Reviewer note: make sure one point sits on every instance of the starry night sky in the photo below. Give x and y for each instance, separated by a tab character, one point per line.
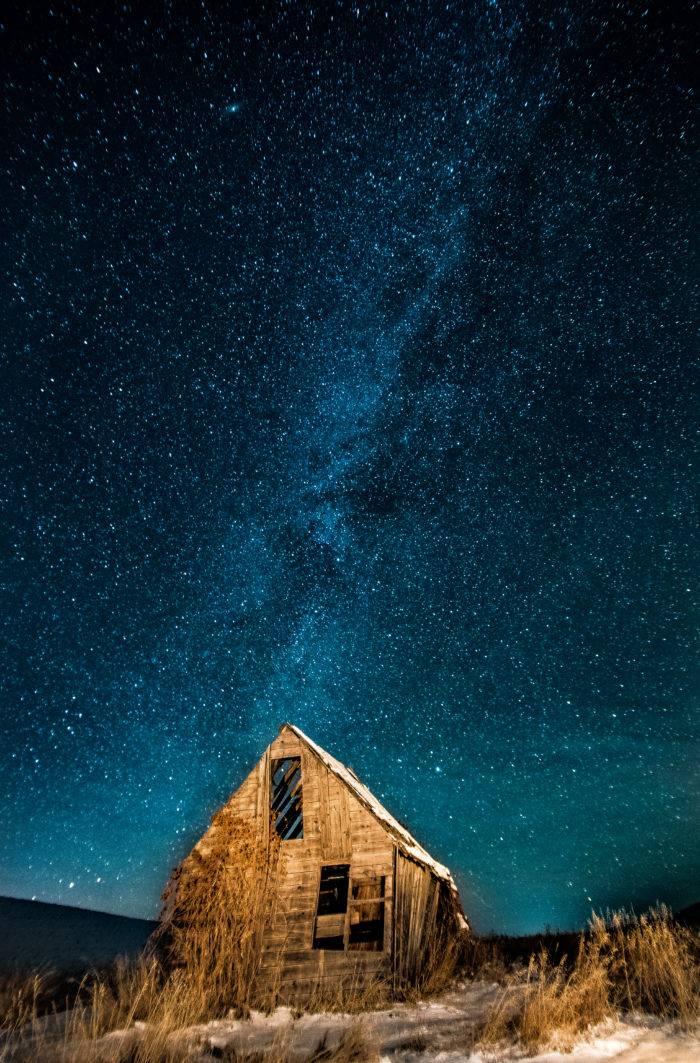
348	380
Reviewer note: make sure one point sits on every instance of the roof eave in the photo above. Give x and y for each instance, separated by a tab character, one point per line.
409	846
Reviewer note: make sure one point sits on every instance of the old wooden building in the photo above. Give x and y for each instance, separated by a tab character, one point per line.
355	889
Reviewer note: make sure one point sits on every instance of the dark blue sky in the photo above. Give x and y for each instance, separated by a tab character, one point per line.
348	380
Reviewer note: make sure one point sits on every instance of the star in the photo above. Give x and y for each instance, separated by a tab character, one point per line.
371	414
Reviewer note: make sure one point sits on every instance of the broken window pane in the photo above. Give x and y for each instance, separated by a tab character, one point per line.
368	888
367	927
329	926
285	798
333	890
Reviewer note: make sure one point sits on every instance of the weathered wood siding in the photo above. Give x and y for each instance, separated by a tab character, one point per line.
338	829
416	900
249	801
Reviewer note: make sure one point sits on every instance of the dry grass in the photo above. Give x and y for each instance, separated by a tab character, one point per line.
431	967
352	994
653	964
483	959
354	1047
624	963
435	975
163	1003
218	905
203	963
24	996
104	1002
442	952
552	1005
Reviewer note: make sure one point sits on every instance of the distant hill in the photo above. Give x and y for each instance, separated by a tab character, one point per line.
33	934
690	916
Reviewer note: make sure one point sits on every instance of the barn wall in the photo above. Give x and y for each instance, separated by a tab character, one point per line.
337	829
416	910
250	801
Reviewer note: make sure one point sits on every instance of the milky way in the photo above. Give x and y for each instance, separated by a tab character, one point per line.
348	380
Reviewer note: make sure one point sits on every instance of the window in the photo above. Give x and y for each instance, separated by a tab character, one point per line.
285	798
367	915
349	918
333	890
331	910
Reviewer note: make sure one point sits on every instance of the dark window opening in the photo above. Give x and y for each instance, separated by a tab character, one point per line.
285	798
333	889
329	925
345	918
336	943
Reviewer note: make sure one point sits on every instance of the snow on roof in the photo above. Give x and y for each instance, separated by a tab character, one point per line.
408	843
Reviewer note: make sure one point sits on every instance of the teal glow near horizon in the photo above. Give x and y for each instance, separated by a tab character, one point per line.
370	409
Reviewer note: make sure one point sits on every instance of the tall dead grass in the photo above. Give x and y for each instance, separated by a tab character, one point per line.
137	1015
104	1002
355	1046
353	994
23	996
218	904
202	963
624	962
483	958
653	963
442	951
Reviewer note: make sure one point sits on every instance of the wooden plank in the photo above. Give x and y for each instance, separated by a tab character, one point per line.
330	925
338	829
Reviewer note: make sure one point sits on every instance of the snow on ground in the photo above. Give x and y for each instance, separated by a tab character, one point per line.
644	1041
441	1031
441	1024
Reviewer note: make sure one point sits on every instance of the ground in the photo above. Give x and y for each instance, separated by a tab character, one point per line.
437	1032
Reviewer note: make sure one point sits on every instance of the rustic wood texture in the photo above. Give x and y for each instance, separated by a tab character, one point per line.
416	914
337	829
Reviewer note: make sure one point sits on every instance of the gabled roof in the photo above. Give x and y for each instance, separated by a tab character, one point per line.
407	843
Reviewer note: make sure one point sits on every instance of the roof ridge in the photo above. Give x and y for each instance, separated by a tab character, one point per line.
410	845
